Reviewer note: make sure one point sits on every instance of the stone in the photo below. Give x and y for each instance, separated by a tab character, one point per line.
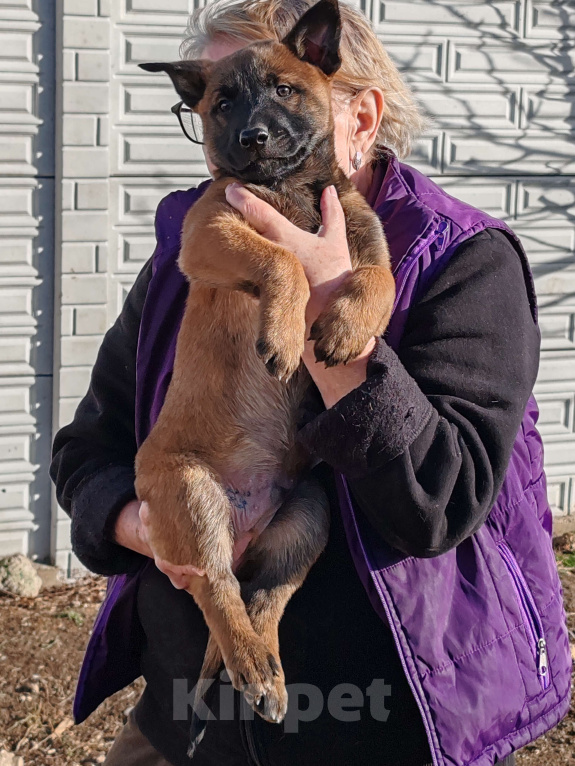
93	66
52	577
565	543
92	195
79	130
18	576
82	98
10	759
81	7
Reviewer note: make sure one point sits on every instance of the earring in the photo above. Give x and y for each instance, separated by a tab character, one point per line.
356	162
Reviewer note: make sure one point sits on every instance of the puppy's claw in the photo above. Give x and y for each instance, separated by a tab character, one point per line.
274	665
272	366
277	361
315	331
261	348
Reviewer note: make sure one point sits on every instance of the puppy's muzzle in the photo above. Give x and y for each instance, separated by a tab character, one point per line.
254	138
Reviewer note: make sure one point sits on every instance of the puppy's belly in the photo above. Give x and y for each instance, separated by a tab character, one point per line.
254	499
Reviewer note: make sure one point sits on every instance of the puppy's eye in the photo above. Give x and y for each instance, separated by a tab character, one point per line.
224	105
283	91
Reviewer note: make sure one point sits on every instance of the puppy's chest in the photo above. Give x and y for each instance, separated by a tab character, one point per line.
297	203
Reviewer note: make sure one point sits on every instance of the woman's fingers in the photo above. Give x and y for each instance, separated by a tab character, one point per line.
179	581
274	226
129	530
144	513
180	576
263	217
333	218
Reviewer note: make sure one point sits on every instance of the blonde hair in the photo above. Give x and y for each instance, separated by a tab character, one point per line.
365	63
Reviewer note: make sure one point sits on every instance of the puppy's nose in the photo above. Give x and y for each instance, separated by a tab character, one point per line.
251	137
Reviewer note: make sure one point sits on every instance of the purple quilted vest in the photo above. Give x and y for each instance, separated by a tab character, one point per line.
481	629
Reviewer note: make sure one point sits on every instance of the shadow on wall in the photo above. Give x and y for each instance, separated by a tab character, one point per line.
524	129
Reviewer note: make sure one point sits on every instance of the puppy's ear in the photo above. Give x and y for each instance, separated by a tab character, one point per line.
315	37
189	78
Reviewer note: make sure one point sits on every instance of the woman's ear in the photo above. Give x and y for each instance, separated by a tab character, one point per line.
367	109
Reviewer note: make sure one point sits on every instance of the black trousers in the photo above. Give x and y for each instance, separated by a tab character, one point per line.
236	743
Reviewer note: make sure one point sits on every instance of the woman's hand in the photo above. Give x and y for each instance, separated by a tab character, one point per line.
128	531
326	262
324	256
132	531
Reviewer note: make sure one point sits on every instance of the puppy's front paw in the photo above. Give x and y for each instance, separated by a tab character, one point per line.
282	338
282	320
281	358
337	340
359	310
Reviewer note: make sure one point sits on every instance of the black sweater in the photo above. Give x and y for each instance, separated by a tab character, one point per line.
424	442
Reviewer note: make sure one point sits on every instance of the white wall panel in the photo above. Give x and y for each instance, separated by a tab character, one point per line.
550	20
26	273
496	77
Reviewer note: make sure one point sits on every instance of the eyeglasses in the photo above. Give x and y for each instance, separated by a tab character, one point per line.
190	122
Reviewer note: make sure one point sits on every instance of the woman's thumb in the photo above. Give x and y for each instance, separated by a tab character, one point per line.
332	215
263	217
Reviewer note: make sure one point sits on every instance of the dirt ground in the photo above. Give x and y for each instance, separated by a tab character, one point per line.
41	647
42	641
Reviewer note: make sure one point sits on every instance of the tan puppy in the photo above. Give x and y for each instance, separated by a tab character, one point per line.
224	442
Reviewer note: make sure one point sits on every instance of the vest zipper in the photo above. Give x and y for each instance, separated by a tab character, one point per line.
531	616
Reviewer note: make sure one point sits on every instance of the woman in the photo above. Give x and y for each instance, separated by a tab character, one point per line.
431	630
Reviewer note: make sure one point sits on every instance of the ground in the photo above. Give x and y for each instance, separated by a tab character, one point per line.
41	646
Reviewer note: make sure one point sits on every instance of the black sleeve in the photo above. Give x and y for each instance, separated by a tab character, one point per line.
425	442
93	457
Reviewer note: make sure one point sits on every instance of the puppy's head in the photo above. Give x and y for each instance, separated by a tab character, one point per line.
265	107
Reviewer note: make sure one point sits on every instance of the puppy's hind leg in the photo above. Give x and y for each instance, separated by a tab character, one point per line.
275	566
190	523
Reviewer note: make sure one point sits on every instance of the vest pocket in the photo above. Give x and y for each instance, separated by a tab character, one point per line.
530	613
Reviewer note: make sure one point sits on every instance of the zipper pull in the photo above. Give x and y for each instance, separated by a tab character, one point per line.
441	231
542	664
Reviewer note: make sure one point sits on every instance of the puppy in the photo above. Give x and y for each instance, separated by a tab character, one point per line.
225	441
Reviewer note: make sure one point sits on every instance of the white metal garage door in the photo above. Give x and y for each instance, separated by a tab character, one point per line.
496	75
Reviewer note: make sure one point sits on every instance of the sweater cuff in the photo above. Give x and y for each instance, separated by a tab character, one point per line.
96	504
374	423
